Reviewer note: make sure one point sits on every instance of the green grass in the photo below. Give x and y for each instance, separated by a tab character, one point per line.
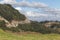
11	36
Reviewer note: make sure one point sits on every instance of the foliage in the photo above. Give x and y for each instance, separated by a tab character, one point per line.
27	36
9	13
39	27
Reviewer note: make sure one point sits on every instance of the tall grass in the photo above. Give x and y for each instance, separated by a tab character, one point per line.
12	36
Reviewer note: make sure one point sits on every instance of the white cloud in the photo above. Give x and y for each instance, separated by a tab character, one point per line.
48	13
52	10
30	4
25	3
41	16
18	8
35	14
8	1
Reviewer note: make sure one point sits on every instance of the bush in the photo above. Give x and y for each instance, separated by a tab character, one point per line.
2	25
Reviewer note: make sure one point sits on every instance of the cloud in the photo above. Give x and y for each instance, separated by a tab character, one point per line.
18	8
24	3
8	1
52	10
35	14
48	13
30	4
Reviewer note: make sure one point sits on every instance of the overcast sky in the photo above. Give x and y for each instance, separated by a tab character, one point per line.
37	10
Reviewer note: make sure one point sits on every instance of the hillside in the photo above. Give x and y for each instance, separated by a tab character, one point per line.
11	16
13	20
9	13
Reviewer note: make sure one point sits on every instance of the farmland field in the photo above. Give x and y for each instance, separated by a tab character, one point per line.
29	36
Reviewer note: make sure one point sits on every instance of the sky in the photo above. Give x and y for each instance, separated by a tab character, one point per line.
51	3
37	10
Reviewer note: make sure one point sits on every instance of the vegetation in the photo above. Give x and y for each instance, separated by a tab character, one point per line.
21	32
24	36
9	13
33	27
2	25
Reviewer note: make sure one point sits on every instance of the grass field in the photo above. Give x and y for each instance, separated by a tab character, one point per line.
35	36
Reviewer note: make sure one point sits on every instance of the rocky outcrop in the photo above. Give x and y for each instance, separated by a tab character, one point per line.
14	23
